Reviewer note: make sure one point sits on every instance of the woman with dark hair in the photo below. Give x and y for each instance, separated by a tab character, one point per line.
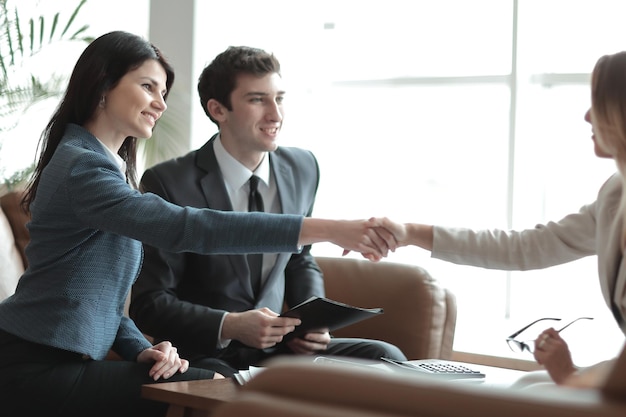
87	224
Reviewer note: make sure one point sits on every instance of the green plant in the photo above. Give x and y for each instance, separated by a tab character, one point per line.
21	39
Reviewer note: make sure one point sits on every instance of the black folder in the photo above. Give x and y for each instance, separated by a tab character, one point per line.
318	313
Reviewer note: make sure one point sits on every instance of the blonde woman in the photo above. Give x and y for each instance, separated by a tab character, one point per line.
597	229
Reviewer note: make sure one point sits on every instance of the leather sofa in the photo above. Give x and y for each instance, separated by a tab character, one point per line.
419	314
13	240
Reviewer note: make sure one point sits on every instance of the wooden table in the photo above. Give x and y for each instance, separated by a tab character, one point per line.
199	398
192	398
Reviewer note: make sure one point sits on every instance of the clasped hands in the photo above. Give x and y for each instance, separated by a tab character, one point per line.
373	238
165	360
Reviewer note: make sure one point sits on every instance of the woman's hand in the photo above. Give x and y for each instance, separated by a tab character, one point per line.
552	352
166	361
405	234
364	236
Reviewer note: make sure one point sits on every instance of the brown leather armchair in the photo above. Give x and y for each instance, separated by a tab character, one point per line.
419	314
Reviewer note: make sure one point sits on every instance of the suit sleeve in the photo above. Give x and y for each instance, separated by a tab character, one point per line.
155	306
129	342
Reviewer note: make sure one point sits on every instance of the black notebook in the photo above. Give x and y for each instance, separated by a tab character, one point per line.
319	313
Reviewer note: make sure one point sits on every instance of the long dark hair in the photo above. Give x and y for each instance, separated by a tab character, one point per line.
99	69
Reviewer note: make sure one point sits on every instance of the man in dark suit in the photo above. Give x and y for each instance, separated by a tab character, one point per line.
227	306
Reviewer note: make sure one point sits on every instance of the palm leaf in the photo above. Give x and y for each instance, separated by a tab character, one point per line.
13	85
55	22
20	37
73	17
26	96
20	90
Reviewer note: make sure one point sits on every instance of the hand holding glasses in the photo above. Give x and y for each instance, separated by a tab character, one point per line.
519	346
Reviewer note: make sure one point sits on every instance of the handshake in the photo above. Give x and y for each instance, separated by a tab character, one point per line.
373	238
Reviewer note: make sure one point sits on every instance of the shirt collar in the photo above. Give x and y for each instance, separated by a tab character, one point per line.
121	164
236	175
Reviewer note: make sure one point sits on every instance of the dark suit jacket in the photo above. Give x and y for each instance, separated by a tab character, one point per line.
182	296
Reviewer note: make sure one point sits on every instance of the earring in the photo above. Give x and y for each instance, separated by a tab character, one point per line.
102	102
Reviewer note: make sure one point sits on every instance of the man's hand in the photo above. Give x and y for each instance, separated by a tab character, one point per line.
166	360
310	343
261	328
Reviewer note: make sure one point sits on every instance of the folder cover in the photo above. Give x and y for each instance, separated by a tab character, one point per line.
319	313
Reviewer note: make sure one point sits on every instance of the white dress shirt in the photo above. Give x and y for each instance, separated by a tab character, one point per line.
236	179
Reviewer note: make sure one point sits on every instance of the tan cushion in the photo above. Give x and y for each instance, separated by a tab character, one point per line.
419	314
11	206
11	266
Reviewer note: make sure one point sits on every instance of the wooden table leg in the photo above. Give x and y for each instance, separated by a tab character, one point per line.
180	411
175	411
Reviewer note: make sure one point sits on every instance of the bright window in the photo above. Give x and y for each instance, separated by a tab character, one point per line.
447	112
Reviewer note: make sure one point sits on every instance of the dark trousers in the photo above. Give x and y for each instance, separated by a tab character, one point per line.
239	356
38	380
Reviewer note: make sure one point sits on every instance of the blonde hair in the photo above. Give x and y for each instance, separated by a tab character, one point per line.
608	116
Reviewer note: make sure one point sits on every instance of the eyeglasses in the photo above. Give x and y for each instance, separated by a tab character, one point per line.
519	346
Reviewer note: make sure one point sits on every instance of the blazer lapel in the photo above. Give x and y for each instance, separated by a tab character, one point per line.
617	280
611	263
286	187
618	307
212	183
214	191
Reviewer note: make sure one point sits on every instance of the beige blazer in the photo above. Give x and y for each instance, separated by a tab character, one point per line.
594	230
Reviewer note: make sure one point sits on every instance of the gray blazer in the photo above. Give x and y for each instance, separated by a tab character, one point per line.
85	249
183	296
594	230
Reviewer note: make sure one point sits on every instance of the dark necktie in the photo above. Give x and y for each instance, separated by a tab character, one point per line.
255	200
255	260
